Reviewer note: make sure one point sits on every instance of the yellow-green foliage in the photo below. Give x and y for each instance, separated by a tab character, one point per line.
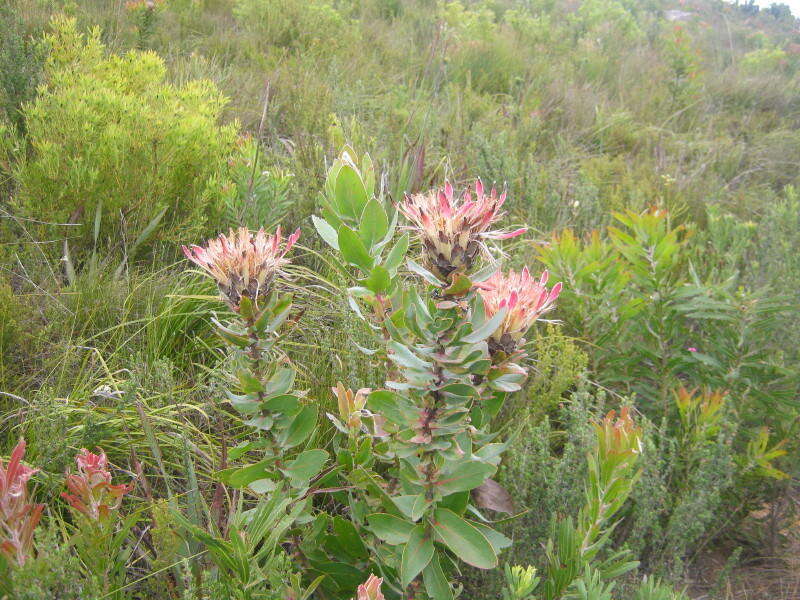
110	130
314	24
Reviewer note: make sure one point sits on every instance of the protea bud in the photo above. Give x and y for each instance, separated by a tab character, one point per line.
243	263
18	518
93	494
526	299
453	231
350	404
370	589
618	436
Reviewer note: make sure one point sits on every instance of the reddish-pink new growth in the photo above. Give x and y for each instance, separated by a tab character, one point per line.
525	298
92	492
453	230
243	263
18	517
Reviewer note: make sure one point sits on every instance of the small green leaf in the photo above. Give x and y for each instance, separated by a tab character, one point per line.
326	232
465	476
496	539
281	382
464	540
374	223
392	530
305	466
416	554
459	287
351	194
394	407
349	539
301	427
404	357
262	422
424	273
459	389
242	476
378	281
487	329
395	257
249	384
286	404
353	249
435	581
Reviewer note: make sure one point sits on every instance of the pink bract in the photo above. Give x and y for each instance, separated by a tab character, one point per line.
18	517
453	230
243	263
91	491
371	589
525	298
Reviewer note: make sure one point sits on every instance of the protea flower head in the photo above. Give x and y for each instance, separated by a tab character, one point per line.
370	589
92	491
526	298
453	231
18	517
243	263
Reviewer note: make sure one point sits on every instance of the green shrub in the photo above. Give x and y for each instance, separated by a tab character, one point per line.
21	59
313	25
110	136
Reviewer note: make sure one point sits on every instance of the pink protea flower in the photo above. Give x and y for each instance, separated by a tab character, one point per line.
526	298
243	263
453	231
18	517
371	589
92	492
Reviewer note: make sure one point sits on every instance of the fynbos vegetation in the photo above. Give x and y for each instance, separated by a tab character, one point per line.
532	336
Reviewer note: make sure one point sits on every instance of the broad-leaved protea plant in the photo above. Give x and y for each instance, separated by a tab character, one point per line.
437	334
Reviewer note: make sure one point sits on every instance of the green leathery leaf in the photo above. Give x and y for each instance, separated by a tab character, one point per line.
374	223
249	384
239	477
436	584
353	249
465	476
305	465
464	539
280	382
378	281
389	528
404	357
326	232
487	329
394	407
417	554
301	427
348	537
424	273
395	257
350	192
